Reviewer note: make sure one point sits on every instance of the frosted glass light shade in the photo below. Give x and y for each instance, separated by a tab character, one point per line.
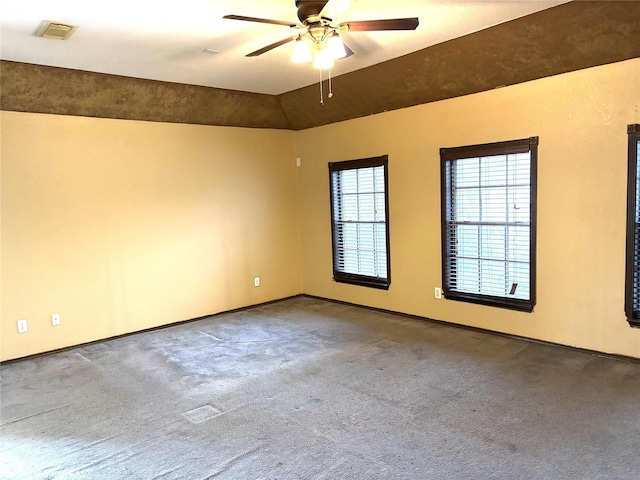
301	52
336	47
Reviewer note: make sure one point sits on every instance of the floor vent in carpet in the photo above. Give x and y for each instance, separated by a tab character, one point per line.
202	414
385	344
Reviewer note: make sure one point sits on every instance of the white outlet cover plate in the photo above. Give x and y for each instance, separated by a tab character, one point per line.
22	326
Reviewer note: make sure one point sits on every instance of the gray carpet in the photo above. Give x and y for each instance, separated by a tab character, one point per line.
305	388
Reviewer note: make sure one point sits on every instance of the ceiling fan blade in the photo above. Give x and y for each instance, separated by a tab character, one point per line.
334	9
388	24
260	20
270	47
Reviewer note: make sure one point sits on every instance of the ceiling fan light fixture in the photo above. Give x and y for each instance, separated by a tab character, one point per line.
336	47
301	51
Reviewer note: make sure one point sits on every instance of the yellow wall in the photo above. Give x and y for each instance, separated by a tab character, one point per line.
581	119
120	225
123	225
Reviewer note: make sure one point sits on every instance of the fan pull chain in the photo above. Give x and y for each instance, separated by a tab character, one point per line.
330	89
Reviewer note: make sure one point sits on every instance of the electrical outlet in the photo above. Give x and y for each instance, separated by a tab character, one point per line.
438	293
256	282
22	326
55	319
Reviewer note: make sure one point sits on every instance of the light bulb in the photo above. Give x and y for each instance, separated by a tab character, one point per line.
323	59
301	53
336	47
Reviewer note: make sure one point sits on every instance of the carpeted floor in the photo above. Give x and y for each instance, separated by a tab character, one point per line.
306	388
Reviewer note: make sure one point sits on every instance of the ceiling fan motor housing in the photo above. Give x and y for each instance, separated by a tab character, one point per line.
309	11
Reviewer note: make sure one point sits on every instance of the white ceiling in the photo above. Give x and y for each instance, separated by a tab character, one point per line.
163	40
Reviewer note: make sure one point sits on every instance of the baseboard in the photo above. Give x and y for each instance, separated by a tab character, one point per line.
159	327
596	353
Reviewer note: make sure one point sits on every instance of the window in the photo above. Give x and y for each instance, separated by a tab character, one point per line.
632	283
359	220
489	223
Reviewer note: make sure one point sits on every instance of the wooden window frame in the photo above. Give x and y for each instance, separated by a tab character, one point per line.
351	278
447	156
632	270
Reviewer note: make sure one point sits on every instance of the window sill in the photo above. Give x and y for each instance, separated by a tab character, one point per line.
362	281
500	302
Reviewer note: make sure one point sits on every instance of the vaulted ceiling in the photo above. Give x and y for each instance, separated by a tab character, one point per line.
151	68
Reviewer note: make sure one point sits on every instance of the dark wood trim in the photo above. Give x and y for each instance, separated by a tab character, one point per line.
447	155
350	278
386	218
533	241
633	132
445	208
489	301
360	163
489	149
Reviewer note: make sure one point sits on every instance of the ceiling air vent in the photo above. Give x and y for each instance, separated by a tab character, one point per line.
56	31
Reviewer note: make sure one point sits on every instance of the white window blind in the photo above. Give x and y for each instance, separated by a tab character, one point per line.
359	221
488	227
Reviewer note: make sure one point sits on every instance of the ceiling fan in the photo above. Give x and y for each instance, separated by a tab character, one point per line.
319	38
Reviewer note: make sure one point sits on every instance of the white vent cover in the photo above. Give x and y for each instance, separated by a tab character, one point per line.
57	31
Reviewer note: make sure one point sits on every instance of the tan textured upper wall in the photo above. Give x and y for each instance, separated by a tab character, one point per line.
565	38
581	119
35	88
